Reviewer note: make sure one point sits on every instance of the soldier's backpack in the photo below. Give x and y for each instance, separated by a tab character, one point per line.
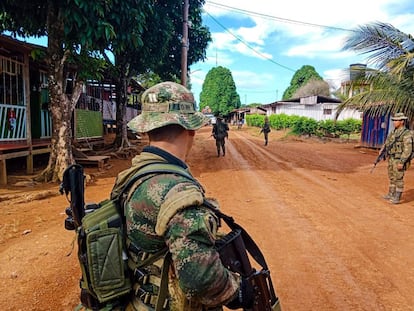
100	228
106	283
221	130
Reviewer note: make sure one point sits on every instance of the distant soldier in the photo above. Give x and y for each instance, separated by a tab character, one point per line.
220	132
266	130
399	145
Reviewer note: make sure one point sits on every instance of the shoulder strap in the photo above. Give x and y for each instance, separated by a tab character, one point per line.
251	246
249	243
157	168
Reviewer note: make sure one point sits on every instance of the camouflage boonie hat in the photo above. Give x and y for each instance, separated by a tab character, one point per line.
164	104
398	117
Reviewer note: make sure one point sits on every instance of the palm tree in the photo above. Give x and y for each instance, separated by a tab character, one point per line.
391	53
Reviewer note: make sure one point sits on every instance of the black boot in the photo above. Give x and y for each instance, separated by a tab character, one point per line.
224	151
396	198
390	194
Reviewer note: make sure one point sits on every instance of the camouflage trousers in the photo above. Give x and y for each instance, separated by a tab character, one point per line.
220	144
395	176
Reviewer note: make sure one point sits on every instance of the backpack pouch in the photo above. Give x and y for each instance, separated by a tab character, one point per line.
104	248
106	263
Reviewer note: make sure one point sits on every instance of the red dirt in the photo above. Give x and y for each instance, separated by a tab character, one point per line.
314	208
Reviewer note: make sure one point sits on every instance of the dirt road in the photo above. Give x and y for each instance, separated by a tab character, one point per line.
314	208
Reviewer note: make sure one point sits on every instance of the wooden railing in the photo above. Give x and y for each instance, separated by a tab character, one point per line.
46	119
12	122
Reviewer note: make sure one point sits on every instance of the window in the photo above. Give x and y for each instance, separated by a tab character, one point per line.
327	111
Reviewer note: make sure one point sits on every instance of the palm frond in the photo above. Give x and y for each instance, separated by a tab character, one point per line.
391	84
382	41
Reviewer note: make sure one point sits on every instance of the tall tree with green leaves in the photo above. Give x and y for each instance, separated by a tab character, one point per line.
75	30
299	79
391	54
141	35
155	46
219	91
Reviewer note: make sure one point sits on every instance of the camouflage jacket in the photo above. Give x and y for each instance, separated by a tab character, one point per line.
166	210
266	128
400	144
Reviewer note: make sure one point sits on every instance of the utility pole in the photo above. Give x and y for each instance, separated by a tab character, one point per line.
184	44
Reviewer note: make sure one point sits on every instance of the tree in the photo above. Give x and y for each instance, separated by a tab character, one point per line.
75	29
219	91
391	52
140	34
299	79
153	47
313	87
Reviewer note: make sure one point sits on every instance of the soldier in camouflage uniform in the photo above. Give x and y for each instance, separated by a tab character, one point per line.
166	212
399	145
266	130
220	133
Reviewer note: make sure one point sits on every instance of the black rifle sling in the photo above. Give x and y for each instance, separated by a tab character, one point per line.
250	244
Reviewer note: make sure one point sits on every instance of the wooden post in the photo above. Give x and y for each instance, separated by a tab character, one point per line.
184	45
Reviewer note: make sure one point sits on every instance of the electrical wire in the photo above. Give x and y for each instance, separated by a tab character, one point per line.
280	19
247	45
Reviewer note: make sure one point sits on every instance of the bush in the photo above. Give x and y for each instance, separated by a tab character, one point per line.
308	126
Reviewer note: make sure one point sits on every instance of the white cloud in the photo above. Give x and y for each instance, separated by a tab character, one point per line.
272	34
249	79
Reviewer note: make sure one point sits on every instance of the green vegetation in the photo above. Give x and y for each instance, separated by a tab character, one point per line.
301	77
113	39
391	85
308	126
219	91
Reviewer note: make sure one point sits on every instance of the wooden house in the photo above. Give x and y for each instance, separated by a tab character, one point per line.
238	116
25	120
25	123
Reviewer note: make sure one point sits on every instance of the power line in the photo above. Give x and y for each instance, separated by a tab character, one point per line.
281	19
255	92
246	44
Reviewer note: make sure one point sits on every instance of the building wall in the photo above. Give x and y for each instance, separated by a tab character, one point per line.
318	112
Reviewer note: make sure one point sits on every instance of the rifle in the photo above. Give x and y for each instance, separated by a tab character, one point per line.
381	156
73	183
233	249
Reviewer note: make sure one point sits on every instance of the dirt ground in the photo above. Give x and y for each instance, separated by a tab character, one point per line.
314	208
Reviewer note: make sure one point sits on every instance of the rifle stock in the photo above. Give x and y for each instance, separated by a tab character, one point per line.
234	257
381	156
73	183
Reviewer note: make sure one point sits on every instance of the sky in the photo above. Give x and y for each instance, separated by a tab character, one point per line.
264	42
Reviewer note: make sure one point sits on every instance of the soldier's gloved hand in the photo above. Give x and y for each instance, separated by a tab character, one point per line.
245	297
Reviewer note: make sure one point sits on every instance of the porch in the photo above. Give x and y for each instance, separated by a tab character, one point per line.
17	149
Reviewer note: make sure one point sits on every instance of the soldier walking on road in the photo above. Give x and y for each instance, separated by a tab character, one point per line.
399	146
266	130
220	132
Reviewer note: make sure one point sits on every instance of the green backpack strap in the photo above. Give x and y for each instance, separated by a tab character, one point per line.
158	168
